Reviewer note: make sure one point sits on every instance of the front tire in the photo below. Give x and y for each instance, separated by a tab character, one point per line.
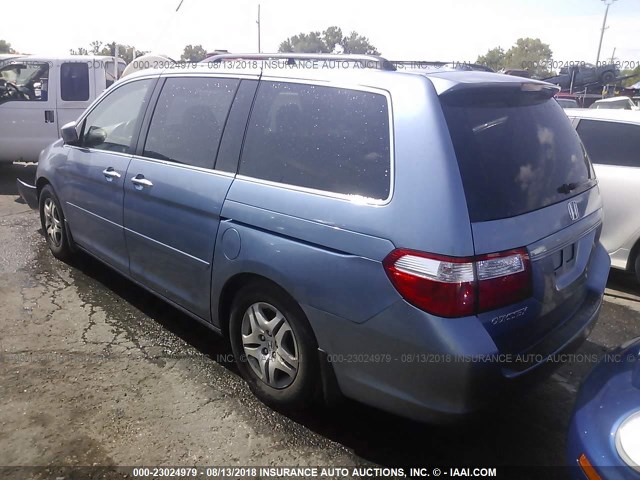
53	224
637	267
274	346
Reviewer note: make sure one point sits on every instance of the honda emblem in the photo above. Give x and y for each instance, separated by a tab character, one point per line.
574	212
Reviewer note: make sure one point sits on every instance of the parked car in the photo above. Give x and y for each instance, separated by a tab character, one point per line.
612	140
585	76
614	103
567	102
40	94
390	236
604	432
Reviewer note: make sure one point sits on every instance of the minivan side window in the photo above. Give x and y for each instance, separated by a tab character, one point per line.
188	120
74	81
114	122
324	138
611	143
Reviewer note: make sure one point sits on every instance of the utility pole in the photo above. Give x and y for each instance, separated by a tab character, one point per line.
258	22
608	3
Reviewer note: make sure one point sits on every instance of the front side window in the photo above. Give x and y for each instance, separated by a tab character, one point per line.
24	81
611	143
114	122
74	82
324	138
188	120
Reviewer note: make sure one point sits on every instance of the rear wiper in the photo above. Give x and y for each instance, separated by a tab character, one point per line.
567	188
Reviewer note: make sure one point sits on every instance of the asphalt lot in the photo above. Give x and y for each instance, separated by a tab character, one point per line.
95	371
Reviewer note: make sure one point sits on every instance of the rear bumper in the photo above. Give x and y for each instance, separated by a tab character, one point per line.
431	369
29	193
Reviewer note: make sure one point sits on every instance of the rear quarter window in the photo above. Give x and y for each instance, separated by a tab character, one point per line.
515	155
323	138
611	143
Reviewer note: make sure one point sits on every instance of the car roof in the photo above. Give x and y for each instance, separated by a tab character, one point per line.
612	99
443	81
596	114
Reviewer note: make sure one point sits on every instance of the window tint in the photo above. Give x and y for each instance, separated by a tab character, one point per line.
116	119
188	120
74	81
317	137
611	143
516	154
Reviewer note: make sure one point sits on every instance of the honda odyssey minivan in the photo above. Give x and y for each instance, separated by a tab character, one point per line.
415	241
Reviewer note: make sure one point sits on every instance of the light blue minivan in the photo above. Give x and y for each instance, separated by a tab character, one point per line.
415	241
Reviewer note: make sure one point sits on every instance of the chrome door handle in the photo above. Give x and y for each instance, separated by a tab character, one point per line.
110	173
141	182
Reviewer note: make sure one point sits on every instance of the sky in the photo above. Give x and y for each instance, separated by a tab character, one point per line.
445	30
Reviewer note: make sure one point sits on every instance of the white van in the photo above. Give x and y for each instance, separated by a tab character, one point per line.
40	94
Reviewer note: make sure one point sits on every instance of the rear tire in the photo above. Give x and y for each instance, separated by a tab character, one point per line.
637	267
54	224
274	346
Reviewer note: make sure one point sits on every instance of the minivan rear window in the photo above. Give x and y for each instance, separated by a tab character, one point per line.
516	153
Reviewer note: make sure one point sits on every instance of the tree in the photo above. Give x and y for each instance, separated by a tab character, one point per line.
333	38
493	59
5	47
355	43
304	43
79	51
527	54
95	47
126	52
193	53
530	54
635	78
329	41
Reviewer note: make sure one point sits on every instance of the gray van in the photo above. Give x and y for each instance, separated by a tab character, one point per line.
415	241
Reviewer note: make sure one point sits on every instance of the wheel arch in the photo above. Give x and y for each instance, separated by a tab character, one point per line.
633	254
231	288
40	184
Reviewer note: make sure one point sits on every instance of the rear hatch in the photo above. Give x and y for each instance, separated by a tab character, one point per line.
529	185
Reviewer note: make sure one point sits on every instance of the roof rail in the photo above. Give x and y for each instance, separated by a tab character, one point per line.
366	61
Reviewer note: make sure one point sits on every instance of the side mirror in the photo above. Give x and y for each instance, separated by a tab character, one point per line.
95	136
69	133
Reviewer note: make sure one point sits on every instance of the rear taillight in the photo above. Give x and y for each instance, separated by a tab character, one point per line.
503	278
457	287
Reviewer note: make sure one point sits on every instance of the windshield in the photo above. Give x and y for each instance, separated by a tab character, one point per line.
515	156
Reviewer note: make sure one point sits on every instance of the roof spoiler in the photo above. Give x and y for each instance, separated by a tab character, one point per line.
488	82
